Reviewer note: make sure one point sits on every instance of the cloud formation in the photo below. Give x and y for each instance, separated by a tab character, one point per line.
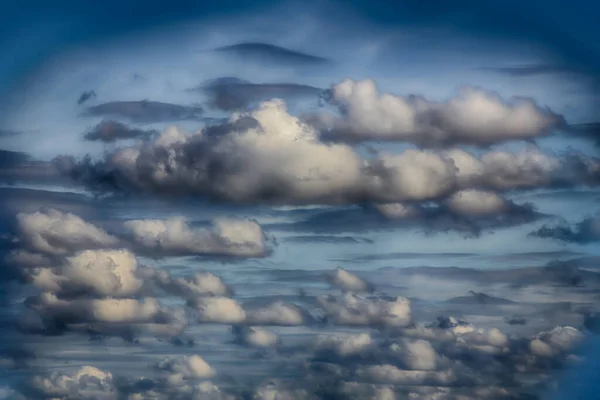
110	131
281	160
583	232
473	117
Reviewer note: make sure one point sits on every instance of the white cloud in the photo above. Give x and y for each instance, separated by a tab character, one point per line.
186	367
174	236
348	281
344	345
474	116
416	355
57	233
350	309
256	337
220	310
277	313
87	383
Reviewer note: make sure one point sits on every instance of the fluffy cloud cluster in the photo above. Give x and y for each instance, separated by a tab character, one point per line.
89	279
555	342
56	233
186	367
351	309
225	310
280	159
255	336
473	117
87	383
241	238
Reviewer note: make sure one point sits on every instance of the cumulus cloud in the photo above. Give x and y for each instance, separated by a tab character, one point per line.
474	116
416	355
145	111
190	287
220	310
241	238
110	131
280	159
351	309
559	340
87	383
56	233
278	313
348	281
186	367
343	345
255	336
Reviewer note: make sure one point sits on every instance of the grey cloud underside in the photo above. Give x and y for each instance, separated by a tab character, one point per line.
236	94
86	96
583	232
271	54
145	111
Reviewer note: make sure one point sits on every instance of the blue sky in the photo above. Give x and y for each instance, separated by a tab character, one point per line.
132	51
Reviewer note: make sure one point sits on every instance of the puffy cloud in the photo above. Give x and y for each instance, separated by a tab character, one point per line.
351	309
86	383
92	272
220	310
278	313
348	281
474	116
186	367
557	341
279	159
242	238
100	310
255	337
416	355
111	131
344	345
56	233
473	202
198	285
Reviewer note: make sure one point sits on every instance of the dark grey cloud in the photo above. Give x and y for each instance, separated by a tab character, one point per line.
583	232
270	54
111	131
230	94
524	71
479	298
589	131
145	111
86	96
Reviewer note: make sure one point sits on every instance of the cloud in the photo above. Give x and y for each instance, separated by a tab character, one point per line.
473	117
110	131
351	309
87	383
559	340
229	237
55	233
343	345
583	232
277	313
220	310
266	53
280	160
255	336
348	281
198	285
145	111
519	71
390	374
232	94
186	367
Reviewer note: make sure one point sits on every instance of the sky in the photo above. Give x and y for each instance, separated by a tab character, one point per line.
299	200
